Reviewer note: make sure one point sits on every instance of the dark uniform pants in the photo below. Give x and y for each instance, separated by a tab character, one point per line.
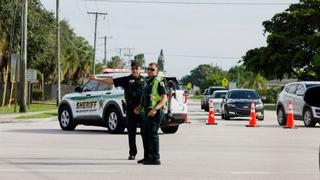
152	125
132	122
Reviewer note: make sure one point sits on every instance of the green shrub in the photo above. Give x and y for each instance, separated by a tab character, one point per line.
37	94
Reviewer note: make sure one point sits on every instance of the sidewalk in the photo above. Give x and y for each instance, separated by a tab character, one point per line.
8	118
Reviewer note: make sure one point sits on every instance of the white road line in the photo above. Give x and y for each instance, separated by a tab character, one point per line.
113	171
270	173
58	171
251	173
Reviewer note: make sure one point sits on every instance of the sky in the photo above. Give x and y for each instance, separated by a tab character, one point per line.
213	31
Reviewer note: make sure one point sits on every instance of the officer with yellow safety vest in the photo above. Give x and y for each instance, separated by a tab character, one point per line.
154	100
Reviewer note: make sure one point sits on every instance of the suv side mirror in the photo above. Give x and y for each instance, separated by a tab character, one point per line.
78	89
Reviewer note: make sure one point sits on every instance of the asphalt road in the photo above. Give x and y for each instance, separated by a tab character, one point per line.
40	150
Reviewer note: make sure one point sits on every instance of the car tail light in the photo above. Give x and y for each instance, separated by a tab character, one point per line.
185	97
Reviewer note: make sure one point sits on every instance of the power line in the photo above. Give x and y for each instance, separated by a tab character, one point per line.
45	20
196	3
148	53
76	47
199	56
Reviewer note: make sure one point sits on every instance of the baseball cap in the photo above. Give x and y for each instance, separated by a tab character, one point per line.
135	64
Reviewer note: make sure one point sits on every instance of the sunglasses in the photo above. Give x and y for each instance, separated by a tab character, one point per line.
134	68
151	69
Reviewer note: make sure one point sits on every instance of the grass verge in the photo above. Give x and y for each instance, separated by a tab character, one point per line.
38	116
270	107
33	108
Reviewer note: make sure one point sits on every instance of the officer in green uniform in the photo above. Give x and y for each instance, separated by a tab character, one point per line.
133	86
153	102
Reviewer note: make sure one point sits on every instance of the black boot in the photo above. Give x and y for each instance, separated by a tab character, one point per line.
131	157
152	162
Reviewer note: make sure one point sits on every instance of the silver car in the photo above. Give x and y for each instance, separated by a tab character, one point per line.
305	102
217	98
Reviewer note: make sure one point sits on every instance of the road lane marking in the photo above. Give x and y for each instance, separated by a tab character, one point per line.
58	171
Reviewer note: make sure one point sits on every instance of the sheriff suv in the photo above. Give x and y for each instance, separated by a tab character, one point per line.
305	102
99	104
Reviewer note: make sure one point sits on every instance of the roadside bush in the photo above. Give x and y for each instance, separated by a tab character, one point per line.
270	94
37	94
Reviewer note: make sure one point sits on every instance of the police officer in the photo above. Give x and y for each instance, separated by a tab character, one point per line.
133	86
153	101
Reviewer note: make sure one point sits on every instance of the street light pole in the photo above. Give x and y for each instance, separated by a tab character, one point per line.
23	67
58	53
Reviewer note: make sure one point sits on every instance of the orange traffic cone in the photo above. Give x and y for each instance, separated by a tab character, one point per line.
290	118
186	120
253	117
211	118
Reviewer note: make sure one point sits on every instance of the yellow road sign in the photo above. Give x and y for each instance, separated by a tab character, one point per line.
189	85
225	82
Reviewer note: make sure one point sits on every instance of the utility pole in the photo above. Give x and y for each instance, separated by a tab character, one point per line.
129	54
105	48
120	51
23	66
95	38
58	53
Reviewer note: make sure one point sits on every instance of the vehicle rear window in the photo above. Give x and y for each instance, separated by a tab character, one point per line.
212	90
244	95
219	94
174	84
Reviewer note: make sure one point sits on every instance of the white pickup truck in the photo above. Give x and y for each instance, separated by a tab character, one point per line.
99	104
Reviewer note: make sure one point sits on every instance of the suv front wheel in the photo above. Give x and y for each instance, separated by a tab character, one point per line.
308	118
114	121
65	119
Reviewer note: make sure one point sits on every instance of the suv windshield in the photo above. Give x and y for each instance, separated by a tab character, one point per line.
91	85
244	95
219	94
312	85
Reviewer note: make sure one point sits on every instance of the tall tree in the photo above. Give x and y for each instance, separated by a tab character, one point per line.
293	44
116	62
245	78
140	59
205	75
161	61
75	51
